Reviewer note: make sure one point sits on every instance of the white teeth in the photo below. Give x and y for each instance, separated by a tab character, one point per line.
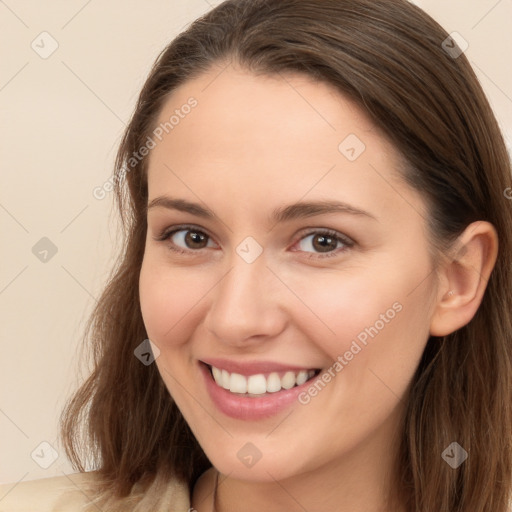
225	381
273	383
259	384
217	374
302	377
238	383
256	384
288	381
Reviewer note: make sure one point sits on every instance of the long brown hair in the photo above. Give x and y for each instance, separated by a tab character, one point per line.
388	56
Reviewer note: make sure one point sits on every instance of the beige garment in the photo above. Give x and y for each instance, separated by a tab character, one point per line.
67	493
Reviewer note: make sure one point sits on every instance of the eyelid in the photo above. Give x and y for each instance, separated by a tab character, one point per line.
166	233
178	227
327	231
341	237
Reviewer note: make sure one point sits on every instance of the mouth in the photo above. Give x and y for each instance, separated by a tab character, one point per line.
261	384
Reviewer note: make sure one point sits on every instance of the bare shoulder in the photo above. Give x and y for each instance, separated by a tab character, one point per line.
66	493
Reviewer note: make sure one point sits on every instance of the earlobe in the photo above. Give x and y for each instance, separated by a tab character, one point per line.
464	278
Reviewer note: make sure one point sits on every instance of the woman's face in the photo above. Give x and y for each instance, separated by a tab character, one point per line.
296	246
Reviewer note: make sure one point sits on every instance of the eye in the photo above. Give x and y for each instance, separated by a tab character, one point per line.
186	238
320	243
324	243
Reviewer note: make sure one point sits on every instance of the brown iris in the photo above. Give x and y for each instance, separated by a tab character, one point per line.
196	239
324	243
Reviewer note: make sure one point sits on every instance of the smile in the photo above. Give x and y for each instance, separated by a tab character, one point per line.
260	384
255	396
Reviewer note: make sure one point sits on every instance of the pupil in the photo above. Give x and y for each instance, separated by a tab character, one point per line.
195	238
325	243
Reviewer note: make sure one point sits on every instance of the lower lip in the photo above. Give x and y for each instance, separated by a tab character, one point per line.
250	408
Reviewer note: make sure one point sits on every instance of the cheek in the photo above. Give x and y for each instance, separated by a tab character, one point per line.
368	320
339	307
170	299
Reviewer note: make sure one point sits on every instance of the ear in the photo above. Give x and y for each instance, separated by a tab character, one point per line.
463	278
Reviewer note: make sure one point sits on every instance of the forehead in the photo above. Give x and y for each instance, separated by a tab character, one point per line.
270	114
258	137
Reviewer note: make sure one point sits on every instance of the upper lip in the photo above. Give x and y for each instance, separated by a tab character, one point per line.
253	367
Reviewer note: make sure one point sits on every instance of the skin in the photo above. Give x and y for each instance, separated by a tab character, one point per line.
254	144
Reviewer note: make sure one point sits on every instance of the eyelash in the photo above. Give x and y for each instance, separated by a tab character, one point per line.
166	234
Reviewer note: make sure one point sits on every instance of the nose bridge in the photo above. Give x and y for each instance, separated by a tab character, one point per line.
245	303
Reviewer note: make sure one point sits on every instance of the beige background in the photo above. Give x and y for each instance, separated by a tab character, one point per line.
61	120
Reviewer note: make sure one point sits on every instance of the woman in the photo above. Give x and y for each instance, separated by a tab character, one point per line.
318	246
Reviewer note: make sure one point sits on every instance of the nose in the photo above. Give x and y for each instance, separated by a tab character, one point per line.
246	305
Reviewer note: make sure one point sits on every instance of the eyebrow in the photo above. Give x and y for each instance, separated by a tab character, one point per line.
283	214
